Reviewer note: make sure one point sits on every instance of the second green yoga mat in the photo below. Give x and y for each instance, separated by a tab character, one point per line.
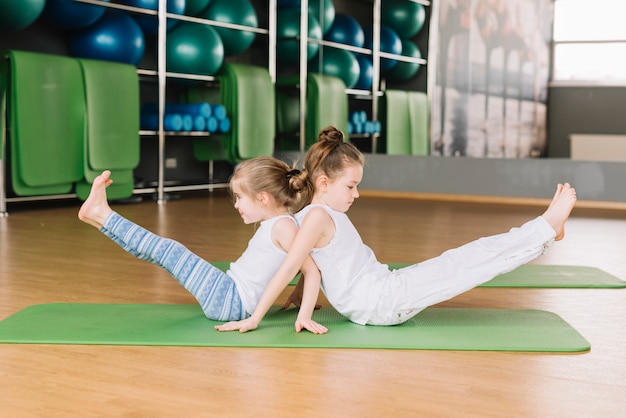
535	276
186	325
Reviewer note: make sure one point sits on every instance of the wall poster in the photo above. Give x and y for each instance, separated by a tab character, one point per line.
492	71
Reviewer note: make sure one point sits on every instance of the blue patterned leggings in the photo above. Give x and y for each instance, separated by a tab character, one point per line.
213	289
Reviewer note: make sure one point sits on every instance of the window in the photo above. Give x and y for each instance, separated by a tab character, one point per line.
589	40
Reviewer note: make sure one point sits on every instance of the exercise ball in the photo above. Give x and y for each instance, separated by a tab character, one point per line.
114	37
404	70
193	48
240	12
18	14
69	14
405	17
150	24
337	62
324	12
195	7
288	26
346	30
389	42
366	72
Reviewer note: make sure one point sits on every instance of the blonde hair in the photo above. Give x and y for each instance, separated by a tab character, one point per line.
287	185
330	155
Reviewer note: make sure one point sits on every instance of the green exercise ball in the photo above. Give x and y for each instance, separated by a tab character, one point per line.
240	12
337	62
18	14
324	12
288	26
405	17
195	7
194	49
404	70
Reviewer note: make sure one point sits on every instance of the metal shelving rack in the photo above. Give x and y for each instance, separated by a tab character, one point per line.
376	53
162	75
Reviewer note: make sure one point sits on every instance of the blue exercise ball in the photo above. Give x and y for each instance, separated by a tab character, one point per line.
337	62
150	24
405	70
18	14
346	30
366	72
194	49
288	28
240	12
114	37
389	42
406	18
69	14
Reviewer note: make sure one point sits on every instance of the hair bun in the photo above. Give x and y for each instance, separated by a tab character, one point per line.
331	134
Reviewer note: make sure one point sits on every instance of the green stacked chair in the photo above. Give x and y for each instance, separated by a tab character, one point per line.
111	139
405	116
46	119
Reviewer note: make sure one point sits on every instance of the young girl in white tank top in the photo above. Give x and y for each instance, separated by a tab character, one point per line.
265	192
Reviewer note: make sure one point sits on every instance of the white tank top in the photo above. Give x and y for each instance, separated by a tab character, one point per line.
352	278
253	271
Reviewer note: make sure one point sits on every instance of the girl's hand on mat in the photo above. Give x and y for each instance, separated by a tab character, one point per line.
311	326
244	325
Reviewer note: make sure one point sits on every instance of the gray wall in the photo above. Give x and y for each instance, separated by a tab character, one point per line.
532	178
583	110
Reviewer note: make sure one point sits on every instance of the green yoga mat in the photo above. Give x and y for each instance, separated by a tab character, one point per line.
533	276
554	276
550	276
47	117
248	95
185	325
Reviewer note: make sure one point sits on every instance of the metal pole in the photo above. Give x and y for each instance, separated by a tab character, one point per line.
161	69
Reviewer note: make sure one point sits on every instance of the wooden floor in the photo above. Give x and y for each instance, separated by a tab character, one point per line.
47	255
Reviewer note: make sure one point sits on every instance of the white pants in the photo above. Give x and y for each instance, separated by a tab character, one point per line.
411	289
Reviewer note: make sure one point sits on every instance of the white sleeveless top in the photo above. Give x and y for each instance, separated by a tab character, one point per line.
257	265
352	278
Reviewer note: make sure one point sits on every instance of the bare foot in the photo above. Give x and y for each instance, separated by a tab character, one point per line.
95	209
560	208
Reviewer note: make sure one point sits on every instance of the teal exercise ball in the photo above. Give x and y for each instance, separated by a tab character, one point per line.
194	49
114	37
18	14
240	12
406	18
195	7
405	70
337	62
324	12
288	26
